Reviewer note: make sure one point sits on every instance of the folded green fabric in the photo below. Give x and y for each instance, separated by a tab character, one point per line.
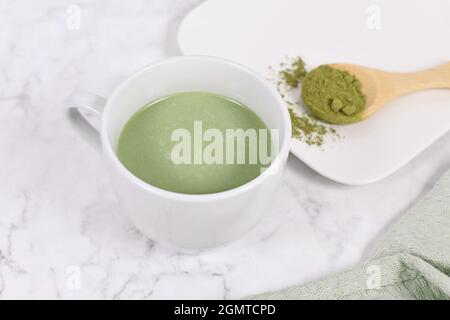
412	261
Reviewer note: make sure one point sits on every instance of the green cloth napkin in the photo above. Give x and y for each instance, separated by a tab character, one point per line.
412	261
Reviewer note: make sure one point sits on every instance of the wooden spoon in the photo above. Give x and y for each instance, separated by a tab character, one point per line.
380	86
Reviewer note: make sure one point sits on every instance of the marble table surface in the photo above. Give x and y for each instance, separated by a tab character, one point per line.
61	234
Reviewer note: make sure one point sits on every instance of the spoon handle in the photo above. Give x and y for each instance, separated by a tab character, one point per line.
434	78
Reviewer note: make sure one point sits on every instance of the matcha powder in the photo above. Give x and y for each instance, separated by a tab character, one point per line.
305	128
333	95
292	74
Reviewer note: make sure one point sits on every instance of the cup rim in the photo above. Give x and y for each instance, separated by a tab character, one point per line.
275	165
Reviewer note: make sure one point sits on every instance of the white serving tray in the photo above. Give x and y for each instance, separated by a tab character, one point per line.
412	35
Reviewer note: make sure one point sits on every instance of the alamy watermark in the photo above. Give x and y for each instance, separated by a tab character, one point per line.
73	280
234	146
373	21
374	278
73	20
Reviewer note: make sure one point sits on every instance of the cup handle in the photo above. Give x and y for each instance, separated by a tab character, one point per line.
84	113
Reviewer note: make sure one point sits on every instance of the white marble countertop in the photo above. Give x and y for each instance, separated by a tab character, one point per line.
61	235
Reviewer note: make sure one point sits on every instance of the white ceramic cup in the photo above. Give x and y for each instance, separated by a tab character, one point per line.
187	221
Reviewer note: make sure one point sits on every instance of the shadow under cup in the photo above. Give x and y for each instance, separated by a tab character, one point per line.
189	221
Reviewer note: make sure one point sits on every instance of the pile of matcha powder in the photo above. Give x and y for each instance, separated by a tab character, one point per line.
331	95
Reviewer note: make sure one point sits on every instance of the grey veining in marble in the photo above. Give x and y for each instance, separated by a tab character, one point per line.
61	235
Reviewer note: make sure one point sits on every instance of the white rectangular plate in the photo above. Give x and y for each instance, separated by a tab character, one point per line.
401	35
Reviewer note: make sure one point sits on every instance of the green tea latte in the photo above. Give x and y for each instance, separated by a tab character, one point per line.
192	142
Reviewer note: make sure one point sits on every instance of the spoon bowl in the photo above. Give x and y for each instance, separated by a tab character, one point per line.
380	86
